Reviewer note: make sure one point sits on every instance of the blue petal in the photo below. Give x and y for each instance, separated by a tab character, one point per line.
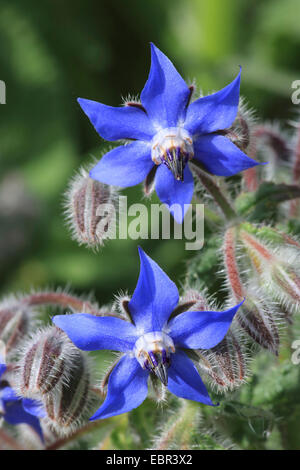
172	192
34	407
154	298
2	367
127	389
8	394
92	333
201	330
214	112
220	156
124	166
14	413
118	123
184	380
165	94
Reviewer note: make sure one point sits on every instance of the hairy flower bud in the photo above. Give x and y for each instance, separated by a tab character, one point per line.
53	369
260	318
241	129
258	315
16	320
225	365
69	404
45	361
90	210
193	299
277	266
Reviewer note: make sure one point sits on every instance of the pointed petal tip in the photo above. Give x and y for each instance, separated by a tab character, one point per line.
236	307
153	47
209	402
81	102
142	253
94	417
178	216
255	162
140	249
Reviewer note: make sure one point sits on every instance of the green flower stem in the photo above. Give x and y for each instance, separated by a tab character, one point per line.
92	426
215	191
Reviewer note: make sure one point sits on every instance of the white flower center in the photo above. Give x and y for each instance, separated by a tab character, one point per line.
172	146
152	350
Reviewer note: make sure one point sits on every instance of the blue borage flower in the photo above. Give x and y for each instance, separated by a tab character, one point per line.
153	343
167	132
18	410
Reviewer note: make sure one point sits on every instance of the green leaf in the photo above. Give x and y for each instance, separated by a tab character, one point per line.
264	202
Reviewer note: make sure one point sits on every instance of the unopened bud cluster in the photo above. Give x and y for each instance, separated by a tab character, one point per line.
16	321
53	370
263	266
240	132
90	210
226	365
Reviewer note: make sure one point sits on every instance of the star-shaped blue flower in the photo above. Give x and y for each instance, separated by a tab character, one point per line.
153	343
18	410
167	131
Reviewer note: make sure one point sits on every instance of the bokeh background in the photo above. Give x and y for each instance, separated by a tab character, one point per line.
52	52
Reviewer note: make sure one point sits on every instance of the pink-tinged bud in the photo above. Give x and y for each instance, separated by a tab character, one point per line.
194	300
225	365
90	210
16	320
261	255
286	288
277	267
231	263
240	132
72	401
46	360
271	235
54	370
258	316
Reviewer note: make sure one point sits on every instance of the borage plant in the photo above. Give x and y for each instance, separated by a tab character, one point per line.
237	330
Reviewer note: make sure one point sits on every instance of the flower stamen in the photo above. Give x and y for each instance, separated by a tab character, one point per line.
152	351
174	148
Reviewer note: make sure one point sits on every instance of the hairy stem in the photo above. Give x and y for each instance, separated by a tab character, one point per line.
64	300
216	193
80	432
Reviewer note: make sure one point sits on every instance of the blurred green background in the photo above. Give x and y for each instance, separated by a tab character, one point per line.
53	52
